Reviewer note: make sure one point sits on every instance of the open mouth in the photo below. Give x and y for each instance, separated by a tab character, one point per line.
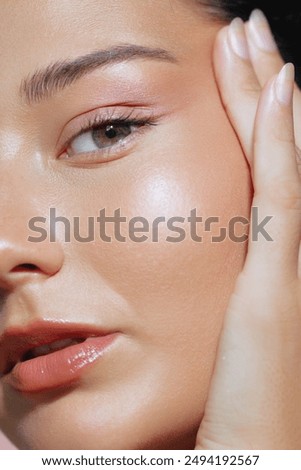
49	348
56	364
48	355
42	350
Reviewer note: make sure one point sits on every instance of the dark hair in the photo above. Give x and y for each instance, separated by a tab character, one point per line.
284	18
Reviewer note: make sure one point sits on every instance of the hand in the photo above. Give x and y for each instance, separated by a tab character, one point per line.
254	400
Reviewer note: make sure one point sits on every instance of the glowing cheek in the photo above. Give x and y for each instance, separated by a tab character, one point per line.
160	195
11	144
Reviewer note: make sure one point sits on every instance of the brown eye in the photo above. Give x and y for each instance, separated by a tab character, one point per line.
104	137
101	137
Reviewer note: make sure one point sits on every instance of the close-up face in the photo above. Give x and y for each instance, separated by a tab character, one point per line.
145	315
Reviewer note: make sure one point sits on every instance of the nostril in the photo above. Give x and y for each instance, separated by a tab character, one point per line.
25	267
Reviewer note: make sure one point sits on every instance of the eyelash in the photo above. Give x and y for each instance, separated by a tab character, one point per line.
98	122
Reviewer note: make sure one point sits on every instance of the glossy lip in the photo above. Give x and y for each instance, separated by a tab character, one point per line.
56	369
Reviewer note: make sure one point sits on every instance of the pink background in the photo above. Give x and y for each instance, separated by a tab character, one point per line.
4	443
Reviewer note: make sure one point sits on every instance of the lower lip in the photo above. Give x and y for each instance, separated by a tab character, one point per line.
60	368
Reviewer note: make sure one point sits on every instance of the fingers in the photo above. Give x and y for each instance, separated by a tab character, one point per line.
264	52
276	183
266	59
256	380
238	84
244	65
245	58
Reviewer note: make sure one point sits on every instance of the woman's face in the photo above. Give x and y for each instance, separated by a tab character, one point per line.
165	299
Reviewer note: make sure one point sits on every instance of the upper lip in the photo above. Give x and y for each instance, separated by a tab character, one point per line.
17	341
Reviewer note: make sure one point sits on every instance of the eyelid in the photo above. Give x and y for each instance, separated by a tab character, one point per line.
76	125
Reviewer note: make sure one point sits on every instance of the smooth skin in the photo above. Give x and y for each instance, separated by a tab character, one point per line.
167	373
255	394
167	300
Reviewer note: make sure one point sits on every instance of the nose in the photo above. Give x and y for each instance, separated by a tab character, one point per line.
26	187
22	261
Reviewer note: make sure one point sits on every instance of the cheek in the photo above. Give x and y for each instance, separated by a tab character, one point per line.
181	288
203	169
176	293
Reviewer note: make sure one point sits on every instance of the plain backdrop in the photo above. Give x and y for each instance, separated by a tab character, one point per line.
5	443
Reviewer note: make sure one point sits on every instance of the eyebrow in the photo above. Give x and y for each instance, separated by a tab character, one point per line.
44	83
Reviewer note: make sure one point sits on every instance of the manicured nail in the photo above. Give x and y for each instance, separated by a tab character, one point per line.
284	85
237	38
261	32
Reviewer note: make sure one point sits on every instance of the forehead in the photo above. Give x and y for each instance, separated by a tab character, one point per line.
35	33
34	27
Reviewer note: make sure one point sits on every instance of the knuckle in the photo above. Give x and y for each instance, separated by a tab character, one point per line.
285	194
283	133
247	89
251	88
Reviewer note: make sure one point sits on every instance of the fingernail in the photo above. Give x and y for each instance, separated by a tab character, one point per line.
261	32
237	38
284	85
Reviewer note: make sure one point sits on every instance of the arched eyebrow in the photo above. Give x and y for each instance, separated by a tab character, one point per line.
44	83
